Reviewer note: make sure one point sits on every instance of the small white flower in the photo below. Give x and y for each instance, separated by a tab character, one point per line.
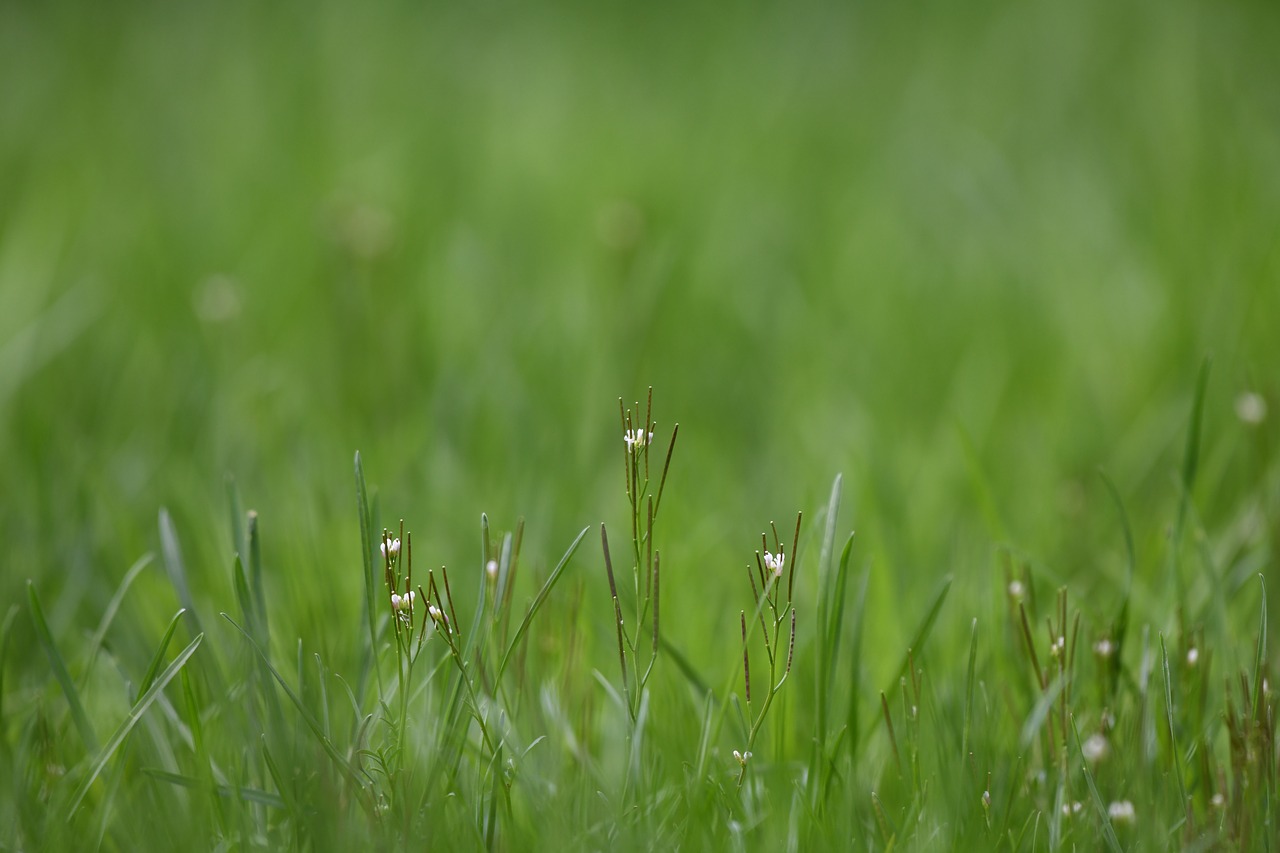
435	613
742	757
1193	655
1121	811
1218	800
986	799
775	564
1016	590
1095	748
1251	408
491	569
1104	648
390	548
402	602
637	438
1069	809
1059	646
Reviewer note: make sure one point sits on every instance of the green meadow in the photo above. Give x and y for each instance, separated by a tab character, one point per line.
303	306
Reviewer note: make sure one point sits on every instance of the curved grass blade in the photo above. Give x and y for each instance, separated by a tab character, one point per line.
158	658
109	615
538	601
139	708
78	715
177	569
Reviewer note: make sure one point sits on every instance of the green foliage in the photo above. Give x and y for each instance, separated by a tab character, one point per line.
968	255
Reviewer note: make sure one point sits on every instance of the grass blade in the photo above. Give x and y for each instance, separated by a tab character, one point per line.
537	603
968	691
1173	738
1108	831
370	580
917	641
139	708
158	658
249	795
177	569
827	585
1260	655
109	615
855	662
311	722
237	516
258	599
78	715
1191	453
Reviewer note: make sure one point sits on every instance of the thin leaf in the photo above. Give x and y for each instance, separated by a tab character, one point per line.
177	569
249	795
1260	654
158	658
918	639
109	615
1173	738
254	567
538	601
366	555
78	715
139	708
968	690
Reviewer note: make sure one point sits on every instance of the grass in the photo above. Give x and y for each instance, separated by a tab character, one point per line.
983	293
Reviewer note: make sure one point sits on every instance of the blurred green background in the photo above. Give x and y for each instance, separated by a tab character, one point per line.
249	239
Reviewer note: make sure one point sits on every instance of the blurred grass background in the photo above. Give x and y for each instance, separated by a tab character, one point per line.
245	239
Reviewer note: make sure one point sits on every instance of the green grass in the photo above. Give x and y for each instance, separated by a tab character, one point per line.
980	290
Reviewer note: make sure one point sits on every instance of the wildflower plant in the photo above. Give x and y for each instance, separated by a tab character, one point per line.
772	580
638	646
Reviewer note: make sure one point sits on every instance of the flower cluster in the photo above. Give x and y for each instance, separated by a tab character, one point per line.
637	438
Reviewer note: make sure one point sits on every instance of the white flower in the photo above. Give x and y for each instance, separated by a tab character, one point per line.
1193	655
1121	811
491	569
637	438
1095	748
1251	408
1069	809
742	757
390	548
774	564
1104	648
435	613
402	602
1016	590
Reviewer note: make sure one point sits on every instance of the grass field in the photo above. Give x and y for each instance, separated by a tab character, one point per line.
987	292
